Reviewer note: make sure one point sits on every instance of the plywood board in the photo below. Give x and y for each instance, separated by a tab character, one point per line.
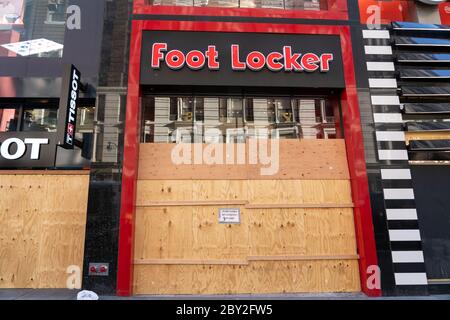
184	249
298	159
295	235
258	277
194	233
42	227
254	192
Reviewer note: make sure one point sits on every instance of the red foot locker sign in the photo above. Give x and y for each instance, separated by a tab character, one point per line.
241	59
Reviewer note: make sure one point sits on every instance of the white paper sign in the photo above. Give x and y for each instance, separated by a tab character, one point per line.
230	215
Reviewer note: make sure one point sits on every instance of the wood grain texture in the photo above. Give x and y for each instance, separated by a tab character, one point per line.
299	205
258	277
195	233
42	228
253	192
193	203
44	172
296	234
299	159
243	262
316	242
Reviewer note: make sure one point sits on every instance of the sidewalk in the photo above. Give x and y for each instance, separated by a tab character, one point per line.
64	294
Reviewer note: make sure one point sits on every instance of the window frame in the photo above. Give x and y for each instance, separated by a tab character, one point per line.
327	98
31	103
50	14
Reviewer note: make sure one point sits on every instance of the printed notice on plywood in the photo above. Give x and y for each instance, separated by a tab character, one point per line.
230	215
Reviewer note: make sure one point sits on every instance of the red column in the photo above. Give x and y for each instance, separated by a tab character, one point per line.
130	167
351	122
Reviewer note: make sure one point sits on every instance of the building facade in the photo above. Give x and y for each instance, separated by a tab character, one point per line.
225	147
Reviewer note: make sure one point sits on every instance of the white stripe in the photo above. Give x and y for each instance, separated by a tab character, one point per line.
393	154
404	235
411	278
395	174
398	194
382	83
376	34
378	50
388	118
401	214
407	256
385	100
380	66
390	135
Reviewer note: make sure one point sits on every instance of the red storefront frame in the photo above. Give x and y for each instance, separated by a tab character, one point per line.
350	121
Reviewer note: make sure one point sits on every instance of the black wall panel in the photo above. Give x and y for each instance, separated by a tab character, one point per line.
431	188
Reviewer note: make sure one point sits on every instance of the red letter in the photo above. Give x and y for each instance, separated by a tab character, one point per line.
235	63
212	55
309	62
175	59
256	60
157	56
195	60
325	62
290	60
273	61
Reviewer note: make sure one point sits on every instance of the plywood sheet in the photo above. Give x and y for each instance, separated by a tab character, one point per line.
194	233
298	159
261	277
295	235
319	192
42	228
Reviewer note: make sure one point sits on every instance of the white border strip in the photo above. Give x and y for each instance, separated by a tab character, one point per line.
376	34
398	194
401	214
390	135
387	118
393	154
407	256
382	83
411	278
384	50
380	66
404	235
385	100
396	174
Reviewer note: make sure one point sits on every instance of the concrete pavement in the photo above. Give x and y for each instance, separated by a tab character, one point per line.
64	294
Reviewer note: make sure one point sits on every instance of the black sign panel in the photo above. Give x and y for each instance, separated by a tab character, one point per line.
241	59
67	114
27	150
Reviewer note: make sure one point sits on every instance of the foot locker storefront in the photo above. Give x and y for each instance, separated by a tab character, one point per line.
243	164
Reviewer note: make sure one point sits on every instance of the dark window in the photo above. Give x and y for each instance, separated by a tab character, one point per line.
43	116
249	110
197	119
39	120
272	4
9	120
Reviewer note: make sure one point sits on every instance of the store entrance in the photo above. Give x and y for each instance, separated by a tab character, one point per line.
211	226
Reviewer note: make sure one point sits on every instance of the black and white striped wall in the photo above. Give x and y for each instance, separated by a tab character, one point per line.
400	215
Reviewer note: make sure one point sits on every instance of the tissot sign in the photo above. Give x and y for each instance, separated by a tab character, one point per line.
27	150
241	59
67	116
